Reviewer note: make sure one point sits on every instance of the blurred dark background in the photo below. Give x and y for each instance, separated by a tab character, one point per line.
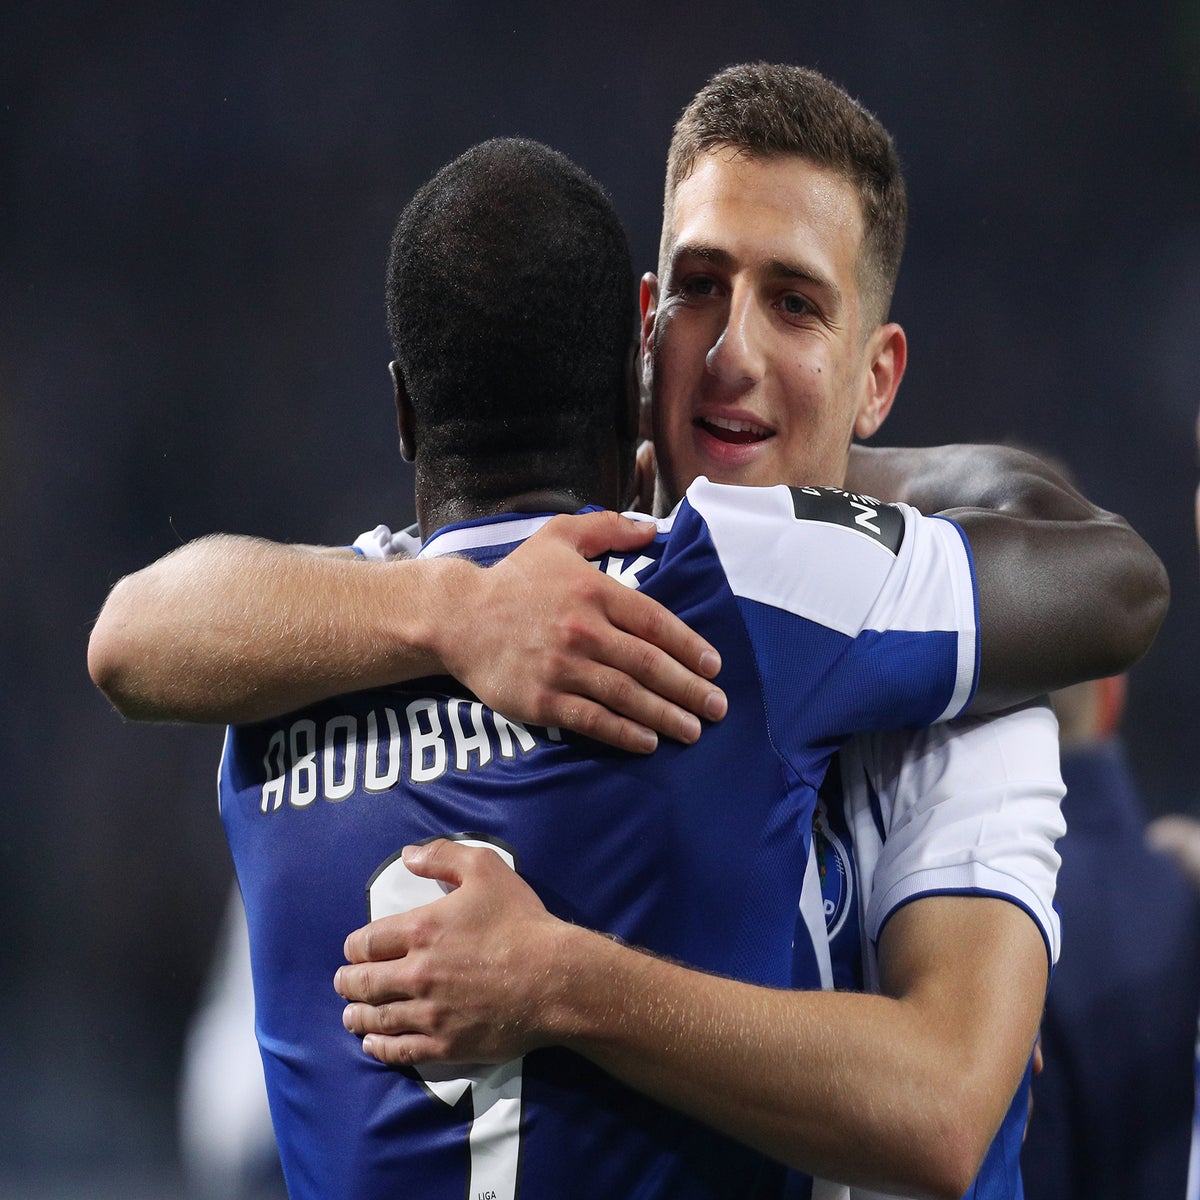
195	202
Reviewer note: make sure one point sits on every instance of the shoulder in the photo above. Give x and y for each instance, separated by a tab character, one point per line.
837	557
968	754
969	807
828	507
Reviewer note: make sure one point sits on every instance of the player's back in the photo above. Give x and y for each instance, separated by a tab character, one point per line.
693	852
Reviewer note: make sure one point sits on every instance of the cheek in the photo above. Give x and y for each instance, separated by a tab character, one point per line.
672	378
663	418
682	342
810	389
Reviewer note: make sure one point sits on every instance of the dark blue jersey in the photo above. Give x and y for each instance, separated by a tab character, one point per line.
831	614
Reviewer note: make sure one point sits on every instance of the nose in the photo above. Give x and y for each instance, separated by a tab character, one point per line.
736	357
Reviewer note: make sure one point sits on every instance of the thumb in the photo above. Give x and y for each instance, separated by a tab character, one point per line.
439	859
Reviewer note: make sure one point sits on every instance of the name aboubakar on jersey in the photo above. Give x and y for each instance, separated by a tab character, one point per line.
309	760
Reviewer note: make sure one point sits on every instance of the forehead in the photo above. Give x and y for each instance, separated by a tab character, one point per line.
783	208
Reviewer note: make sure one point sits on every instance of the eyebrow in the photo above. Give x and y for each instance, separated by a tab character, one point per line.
776	267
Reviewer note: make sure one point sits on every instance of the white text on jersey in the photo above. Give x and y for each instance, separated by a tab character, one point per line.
624	571
306	761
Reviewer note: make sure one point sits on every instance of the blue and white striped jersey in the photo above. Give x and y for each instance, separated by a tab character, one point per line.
831	613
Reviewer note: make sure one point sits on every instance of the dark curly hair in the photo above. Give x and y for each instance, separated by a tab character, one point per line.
510	304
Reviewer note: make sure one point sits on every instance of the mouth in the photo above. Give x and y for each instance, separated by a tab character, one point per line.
733	432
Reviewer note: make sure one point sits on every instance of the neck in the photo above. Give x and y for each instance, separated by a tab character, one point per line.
434	514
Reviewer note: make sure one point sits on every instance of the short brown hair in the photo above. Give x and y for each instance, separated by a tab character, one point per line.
769	110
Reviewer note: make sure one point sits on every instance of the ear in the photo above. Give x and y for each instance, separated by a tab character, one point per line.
406	419
886	358
648	304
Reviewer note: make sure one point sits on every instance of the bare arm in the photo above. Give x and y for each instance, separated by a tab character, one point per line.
235	629
1067	590
230	628
902	1091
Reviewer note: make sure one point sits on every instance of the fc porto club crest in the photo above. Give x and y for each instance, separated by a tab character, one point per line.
834	866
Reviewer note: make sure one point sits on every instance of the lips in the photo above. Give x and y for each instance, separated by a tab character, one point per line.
734	432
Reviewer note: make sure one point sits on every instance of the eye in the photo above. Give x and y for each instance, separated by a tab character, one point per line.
697	286
793	304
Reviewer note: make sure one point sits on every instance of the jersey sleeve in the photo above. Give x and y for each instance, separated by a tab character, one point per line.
972	807
885	595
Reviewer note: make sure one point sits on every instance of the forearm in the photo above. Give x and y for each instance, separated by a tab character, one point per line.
234	629
902	1091
859	1088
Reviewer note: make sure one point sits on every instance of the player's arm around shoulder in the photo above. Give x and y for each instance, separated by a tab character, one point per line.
230	628
233	629
1068	591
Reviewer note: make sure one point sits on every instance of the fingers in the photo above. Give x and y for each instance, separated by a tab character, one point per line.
642	694
609	663
385	1038
370	983
649	666
652	625
383	939
397	1018
404	1051
594	720
654	670
393	1017
390	937
593	534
